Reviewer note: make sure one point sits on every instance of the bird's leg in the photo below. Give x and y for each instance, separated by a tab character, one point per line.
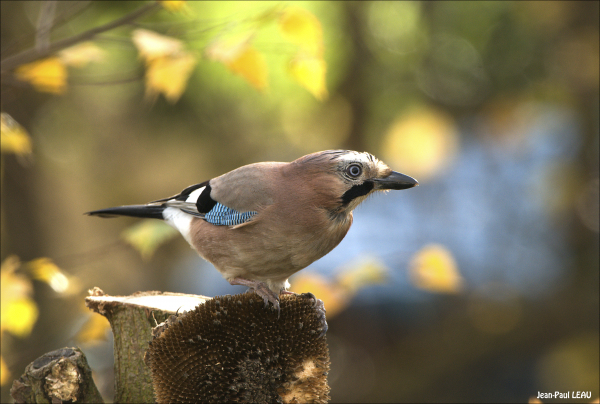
286	292
261	289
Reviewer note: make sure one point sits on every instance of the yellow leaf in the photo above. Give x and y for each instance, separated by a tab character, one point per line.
337	294
303	29
4	373
46	271
423	142
241	58
310	73
173	5
13	137
20	316
81	54
334	298
251	65
169	75
94	329
168	66
433	268
226	50
364	273
151	45
147	235
18	312
47	75
13	286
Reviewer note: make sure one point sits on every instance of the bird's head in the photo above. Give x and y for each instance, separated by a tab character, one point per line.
351	176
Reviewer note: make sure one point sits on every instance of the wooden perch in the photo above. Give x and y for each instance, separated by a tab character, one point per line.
229	348
176	348
132	319
58	376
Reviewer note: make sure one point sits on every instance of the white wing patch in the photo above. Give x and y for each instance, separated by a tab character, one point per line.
179	214
194	195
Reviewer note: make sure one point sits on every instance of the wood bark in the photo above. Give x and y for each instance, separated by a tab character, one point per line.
132	319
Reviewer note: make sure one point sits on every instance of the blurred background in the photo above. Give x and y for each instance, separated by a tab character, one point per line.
480	285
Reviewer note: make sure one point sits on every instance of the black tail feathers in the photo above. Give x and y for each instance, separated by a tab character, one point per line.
147	211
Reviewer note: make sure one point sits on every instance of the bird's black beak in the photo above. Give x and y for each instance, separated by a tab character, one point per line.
395	181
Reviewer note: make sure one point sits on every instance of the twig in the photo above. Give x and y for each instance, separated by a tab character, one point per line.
59	20
71	12
31	55
44	25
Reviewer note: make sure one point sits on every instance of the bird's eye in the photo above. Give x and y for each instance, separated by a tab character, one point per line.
354	170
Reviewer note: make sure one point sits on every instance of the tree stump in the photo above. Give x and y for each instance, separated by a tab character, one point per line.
224	349
132	319
59	376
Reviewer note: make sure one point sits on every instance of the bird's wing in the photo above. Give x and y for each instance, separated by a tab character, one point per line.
196	200
221	215
187	207
249	188
185	194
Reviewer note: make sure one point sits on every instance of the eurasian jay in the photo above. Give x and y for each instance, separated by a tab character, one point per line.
263	222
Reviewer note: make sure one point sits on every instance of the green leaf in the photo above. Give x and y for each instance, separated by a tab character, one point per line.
148	235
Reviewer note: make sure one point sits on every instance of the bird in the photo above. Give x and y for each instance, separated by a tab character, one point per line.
262	222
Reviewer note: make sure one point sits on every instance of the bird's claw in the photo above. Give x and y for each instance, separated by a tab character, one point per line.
268	296
309	295
261	289
319	307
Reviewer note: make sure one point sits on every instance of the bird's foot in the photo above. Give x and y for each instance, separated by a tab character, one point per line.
320	309
261	289
317	304
286	292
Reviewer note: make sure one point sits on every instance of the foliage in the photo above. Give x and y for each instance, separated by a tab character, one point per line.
14	138
169	65
492	106
433	268
337	293
147	235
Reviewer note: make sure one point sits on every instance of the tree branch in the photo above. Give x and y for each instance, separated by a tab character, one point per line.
44	25
34	54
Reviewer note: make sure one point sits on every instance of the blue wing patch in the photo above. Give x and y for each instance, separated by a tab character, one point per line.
221	215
